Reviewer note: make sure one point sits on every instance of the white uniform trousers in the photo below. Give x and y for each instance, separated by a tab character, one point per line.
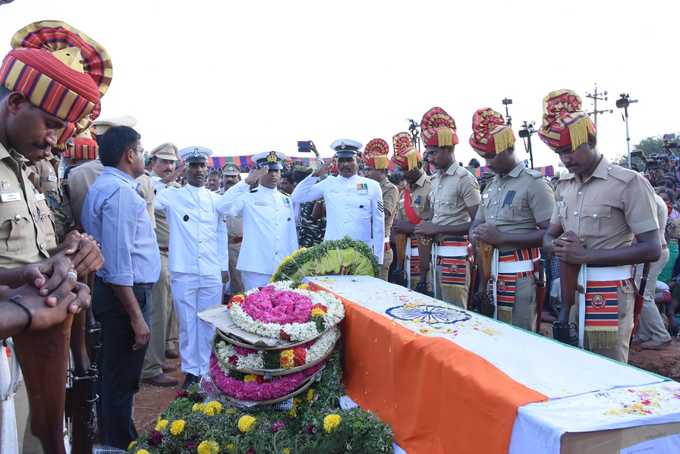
9	442
191	294
252	280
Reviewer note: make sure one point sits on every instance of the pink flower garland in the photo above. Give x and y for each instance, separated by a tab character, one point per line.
270	305
253	391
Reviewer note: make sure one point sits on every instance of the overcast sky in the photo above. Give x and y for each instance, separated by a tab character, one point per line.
248	76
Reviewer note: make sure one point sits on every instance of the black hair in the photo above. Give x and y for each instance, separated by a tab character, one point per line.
395	178
474	163
215	172
114	143
289	176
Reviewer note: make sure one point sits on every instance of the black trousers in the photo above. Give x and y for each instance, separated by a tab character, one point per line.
120	367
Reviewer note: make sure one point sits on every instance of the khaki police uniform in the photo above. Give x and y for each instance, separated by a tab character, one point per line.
390	195
651	327
420	204
605	212
517	203
454	191
22	241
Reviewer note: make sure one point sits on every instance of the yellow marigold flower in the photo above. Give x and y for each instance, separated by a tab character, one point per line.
286	450
317	312
331	422
310	394
287	359
208	447
177	427
303	287
132	444
292	412
231	448
161	424
212	408
246	423
249	378
142	451
195	408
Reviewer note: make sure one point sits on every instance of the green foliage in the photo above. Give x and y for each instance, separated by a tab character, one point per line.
343	256
651	146
302	428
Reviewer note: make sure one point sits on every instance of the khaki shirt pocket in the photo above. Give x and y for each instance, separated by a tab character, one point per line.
13	231
594	219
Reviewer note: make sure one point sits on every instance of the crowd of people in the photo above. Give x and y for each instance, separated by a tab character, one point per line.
165	236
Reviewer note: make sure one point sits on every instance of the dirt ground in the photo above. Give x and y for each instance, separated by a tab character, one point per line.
152	400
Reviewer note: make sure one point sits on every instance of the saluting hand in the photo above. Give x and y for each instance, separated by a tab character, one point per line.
254	176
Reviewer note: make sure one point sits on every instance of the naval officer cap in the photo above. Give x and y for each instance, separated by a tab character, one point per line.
195	155
271	159
346	148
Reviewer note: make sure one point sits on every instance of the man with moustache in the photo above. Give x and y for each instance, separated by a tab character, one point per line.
414	208
376	161
161	317
268	220
513	216
197	253
33	119
354	205
600	209
116	216
454	200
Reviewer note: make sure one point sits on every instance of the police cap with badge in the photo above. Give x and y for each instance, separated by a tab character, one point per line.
346	148
195	155
231	170
273	160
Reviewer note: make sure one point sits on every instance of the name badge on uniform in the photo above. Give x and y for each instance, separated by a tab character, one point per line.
418	199
10	197
52	178
509	197
362	188
40	197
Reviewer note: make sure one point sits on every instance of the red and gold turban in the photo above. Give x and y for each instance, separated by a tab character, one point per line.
406	156
564	123
490	134
60	70
375	154
83	147
438	128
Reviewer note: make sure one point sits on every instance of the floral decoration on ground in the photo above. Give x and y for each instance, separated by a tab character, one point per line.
286	311
232	356
344	256
313	424
251	387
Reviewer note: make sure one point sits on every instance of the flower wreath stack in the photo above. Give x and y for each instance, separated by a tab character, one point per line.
299	322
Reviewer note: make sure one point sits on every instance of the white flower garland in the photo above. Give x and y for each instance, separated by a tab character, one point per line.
321	347
297	332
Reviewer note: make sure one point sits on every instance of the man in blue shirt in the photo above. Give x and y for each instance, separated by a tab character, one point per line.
116	216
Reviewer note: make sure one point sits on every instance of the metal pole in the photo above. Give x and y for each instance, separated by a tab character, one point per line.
625	119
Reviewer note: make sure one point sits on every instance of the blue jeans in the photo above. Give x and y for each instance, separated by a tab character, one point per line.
120	367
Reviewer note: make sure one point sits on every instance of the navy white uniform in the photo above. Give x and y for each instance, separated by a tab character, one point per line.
269	232
197	253
354	205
